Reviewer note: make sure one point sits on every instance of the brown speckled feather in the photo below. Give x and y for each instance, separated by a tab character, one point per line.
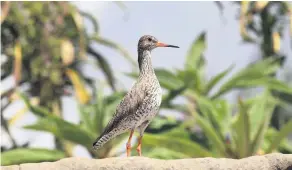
127	106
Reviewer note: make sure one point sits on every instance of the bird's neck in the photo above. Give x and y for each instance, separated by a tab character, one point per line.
145	63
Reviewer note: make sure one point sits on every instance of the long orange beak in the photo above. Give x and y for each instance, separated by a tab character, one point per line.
159	44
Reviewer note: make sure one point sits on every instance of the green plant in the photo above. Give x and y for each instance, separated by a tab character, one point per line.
263	24
47	46
93	118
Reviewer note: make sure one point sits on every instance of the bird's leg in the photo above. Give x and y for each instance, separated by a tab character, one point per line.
142	128
139	146
129	144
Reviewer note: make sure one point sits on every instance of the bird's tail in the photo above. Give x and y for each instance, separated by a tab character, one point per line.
103	139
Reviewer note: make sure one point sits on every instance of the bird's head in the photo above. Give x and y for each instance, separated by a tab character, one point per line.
148	42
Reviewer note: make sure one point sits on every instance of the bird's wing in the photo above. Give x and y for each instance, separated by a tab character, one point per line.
129	104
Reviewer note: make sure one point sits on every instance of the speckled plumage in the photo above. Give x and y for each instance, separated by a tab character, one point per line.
141	103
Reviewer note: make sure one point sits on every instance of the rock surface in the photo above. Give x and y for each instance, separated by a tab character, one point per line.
275	161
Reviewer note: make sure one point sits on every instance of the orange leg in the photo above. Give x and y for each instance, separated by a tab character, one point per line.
129	144
139	149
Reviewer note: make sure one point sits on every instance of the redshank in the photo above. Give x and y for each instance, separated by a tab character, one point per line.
141	103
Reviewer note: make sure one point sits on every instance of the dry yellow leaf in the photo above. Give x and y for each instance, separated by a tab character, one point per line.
259	5
243	11
17	62
17	116
80	90
67	52
244	7
276	42
34	101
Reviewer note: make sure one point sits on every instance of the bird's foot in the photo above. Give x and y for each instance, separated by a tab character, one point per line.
128	149
139	150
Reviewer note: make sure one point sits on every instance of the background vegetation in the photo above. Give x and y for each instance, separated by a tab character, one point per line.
47	47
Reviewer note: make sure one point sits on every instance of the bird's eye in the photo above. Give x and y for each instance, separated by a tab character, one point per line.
149	39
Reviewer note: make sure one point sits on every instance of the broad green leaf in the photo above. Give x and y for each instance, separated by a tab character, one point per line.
279	86
186	147
268	82
286	145
37	110
283	133
98	117
258	110
172	94
178	107
63	130
242	130
23	155
210	132
208	109
192	79
159	122
168	80
214	80
259	136
85	112
181	131
195	53
224	115
254	75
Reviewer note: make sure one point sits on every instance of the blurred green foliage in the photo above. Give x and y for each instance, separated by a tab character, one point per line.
46	47
211	126
263	23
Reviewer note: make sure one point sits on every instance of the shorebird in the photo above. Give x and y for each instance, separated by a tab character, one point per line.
141	103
